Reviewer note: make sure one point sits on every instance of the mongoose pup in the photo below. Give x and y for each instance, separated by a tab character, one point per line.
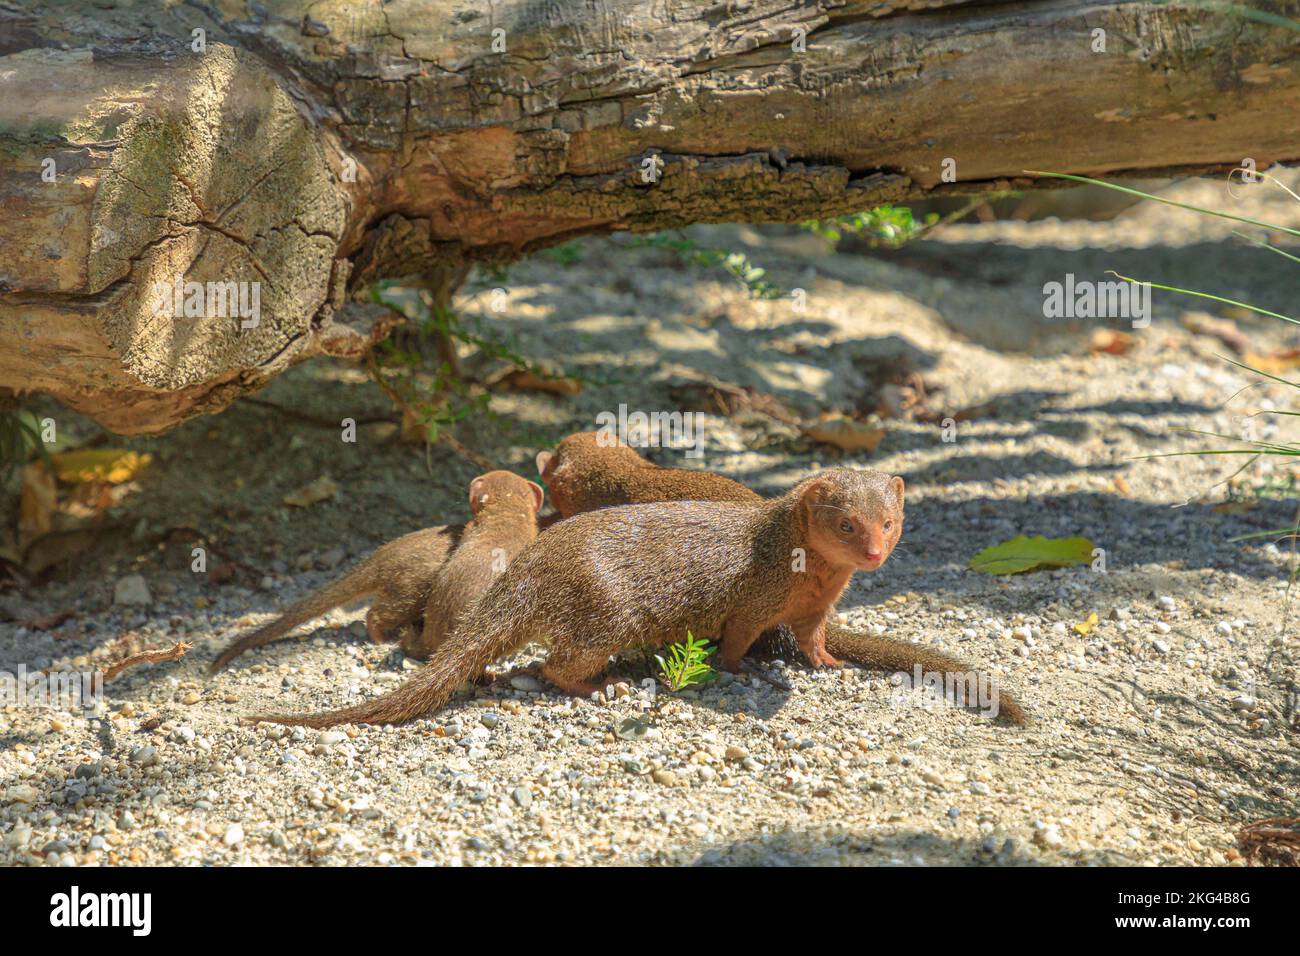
616	578
505	510
401	574
588	470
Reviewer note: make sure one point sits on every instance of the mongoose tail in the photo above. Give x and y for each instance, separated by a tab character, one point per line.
462	656
350	587
397	577
892	656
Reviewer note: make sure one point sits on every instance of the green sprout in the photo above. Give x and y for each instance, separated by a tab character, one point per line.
686	664
890	226
20	437
735	264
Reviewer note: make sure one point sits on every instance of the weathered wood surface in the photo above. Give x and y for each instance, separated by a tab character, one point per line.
310	146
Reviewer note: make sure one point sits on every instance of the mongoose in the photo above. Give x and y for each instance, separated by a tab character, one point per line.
608	580
401	574
505	510
588	471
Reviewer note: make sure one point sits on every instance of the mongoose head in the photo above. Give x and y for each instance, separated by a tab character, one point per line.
499	487
853	518
575	458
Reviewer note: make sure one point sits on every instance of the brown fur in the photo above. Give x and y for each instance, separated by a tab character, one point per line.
398	575
586	472
724	571
431	574
505	510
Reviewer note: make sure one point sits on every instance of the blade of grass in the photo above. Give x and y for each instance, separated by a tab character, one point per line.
1264	245
1168	202
1288	532
1258	371
1261	447
1206	295
1238	10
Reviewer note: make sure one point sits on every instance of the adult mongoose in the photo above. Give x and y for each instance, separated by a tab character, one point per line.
590	470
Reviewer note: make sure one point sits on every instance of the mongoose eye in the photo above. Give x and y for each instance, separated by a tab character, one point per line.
846	526
889	525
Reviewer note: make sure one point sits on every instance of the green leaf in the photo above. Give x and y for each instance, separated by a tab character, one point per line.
1024	554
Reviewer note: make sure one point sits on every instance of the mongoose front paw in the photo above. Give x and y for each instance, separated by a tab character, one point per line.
819	658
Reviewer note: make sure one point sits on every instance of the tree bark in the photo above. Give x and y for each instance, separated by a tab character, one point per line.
309	147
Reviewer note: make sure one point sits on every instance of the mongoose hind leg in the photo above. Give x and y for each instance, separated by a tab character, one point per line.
396	609
737	637
575	669
420	643
382	619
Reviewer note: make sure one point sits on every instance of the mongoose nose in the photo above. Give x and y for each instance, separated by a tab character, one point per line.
873	555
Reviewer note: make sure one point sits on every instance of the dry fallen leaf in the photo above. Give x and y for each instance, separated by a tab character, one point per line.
1281	360
1225	330
56	548
970	413
37	503
48	622
322	489
896	400
846	434
114	465
1085	627
522	379
1110	341
716	397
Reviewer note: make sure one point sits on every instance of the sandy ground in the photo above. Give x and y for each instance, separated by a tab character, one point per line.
1156	735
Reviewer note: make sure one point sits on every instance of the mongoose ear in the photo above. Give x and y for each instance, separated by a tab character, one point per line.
539	496
544	462
477	496
813	492
897	484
